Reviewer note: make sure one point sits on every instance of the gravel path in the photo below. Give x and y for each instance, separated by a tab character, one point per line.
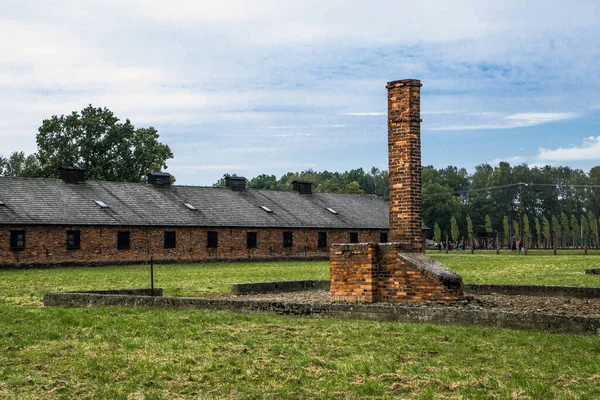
542	305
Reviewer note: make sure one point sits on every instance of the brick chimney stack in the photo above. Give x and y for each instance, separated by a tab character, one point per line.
404	153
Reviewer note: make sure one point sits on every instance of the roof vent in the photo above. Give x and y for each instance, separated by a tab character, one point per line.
237	183
159	178
331	210
302	187
72	174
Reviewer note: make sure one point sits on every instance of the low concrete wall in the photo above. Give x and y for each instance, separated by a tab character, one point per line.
277	287
126	292
378	311
536	290
524	290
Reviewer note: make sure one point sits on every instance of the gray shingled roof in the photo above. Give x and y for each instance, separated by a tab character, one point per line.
53	202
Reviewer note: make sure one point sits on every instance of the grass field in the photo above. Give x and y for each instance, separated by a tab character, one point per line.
137	353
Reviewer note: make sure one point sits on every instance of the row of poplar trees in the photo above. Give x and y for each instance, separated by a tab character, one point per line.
564	232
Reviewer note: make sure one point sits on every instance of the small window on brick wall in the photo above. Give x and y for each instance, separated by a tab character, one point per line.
73	240
322	239
170	239
383	237
212	239
123	240
287	239
353	237
251	241
17	240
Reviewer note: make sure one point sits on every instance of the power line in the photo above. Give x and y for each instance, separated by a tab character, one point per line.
553	185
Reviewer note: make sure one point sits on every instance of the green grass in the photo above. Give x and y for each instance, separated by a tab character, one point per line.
26	287
536	268
136	353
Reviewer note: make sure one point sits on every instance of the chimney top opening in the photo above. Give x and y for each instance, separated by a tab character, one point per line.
72	174
159	178
237	183
302	187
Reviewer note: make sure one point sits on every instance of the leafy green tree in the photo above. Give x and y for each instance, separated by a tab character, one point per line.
470	232
585	231
489	228
331	185
566	232
546	232
17	164
556	229
263	182
352	187
506	226
437	233
575	231
515	226
95	140
593	228
488	224
538	232
526	232
454	229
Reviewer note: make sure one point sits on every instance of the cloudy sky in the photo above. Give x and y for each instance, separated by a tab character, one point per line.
253	87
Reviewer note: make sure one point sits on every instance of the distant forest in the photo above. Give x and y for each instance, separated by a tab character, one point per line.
449	192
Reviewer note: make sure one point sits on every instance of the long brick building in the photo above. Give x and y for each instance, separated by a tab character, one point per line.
74	221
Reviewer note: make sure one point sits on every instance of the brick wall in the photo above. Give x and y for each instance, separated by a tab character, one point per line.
353	272
389	272
47	244
404	159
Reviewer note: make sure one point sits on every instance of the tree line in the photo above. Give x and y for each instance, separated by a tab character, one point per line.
358	181
522	233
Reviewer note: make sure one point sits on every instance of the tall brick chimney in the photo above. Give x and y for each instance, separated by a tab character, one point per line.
404	158
398	271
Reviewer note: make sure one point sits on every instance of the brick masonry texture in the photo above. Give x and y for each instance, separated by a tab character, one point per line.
404	159
376	312
389	272
47	245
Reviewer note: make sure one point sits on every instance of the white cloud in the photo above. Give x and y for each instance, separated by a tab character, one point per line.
588	150
520	120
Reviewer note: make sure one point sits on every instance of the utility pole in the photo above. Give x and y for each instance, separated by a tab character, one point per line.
521	214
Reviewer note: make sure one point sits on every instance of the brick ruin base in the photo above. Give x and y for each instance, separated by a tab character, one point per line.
389	272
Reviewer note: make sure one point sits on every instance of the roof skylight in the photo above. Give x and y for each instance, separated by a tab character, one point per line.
267	209
2	203
101	204
191	207
331	210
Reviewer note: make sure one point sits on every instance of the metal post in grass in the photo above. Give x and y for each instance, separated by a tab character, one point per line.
446	243
497	247
152	275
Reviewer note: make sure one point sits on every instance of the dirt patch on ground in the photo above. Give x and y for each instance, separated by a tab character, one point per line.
493	302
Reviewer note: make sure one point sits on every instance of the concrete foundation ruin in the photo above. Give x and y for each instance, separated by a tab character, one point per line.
398	271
